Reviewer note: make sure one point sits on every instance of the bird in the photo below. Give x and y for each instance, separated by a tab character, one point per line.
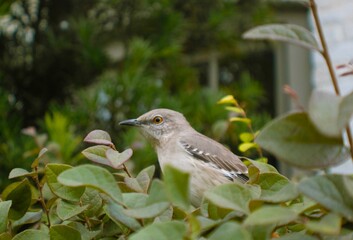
177	143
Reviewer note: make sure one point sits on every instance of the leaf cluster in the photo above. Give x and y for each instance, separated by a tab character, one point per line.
57	201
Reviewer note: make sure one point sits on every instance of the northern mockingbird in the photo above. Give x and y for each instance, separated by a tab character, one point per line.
208	162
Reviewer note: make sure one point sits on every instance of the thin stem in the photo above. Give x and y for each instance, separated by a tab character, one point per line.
41	197
259	151
326	55
124	166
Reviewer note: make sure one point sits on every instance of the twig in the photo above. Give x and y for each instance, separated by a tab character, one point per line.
328	61
41	197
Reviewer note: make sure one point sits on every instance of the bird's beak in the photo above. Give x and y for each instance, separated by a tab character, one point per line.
130	122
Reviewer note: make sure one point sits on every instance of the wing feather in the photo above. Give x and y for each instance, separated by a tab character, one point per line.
210	151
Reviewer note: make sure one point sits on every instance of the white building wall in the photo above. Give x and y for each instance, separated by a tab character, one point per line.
337	21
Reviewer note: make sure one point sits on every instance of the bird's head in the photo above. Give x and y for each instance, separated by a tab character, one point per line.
158	125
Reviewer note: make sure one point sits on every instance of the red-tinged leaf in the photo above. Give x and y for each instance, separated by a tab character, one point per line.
98	137
117	159
97	154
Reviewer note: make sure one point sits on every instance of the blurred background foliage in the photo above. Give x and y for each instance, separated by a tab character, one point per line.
68	67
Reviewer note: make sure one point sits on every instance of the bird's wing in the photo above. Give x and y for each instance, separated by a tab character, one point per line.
212	152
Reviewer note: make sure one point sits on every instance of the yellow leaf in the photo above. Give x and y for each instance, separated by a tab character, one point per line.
228	99
239	119
235	109
246	137
246	146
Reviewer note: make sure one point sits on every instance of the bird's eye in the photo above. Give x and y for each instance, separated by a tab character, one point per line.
157	120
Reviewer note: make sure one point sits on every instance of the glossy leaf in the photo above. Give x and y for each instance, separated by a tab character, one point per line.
91	176
4	211
331	191
117	159
177	187
285	33
228	231
161	230
32	234
230	196
330	113
64	232
295	140
5	236
98	137
20	194
52	172
266	215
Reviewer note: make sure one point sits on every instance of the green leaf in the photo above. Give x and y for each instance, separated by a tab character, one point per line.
97	154
40	155
93	200
92	176
266	215
276	188
149	211
285	33
330	224
84	232
32	234
330	113
230	196
295	140
52	171
145	177
331	191
228	230
64	232
117	159
67	210
99	137
5	236
21	196
296	236
29	217
177	187
20	172
117	214
4	211
160	231
157	192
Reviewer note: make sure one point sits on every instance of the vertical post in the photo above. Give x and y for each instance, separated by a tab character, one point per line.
213	71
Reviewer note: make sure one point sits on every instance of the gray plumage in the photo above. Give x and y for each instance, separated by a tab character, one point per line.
177	143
